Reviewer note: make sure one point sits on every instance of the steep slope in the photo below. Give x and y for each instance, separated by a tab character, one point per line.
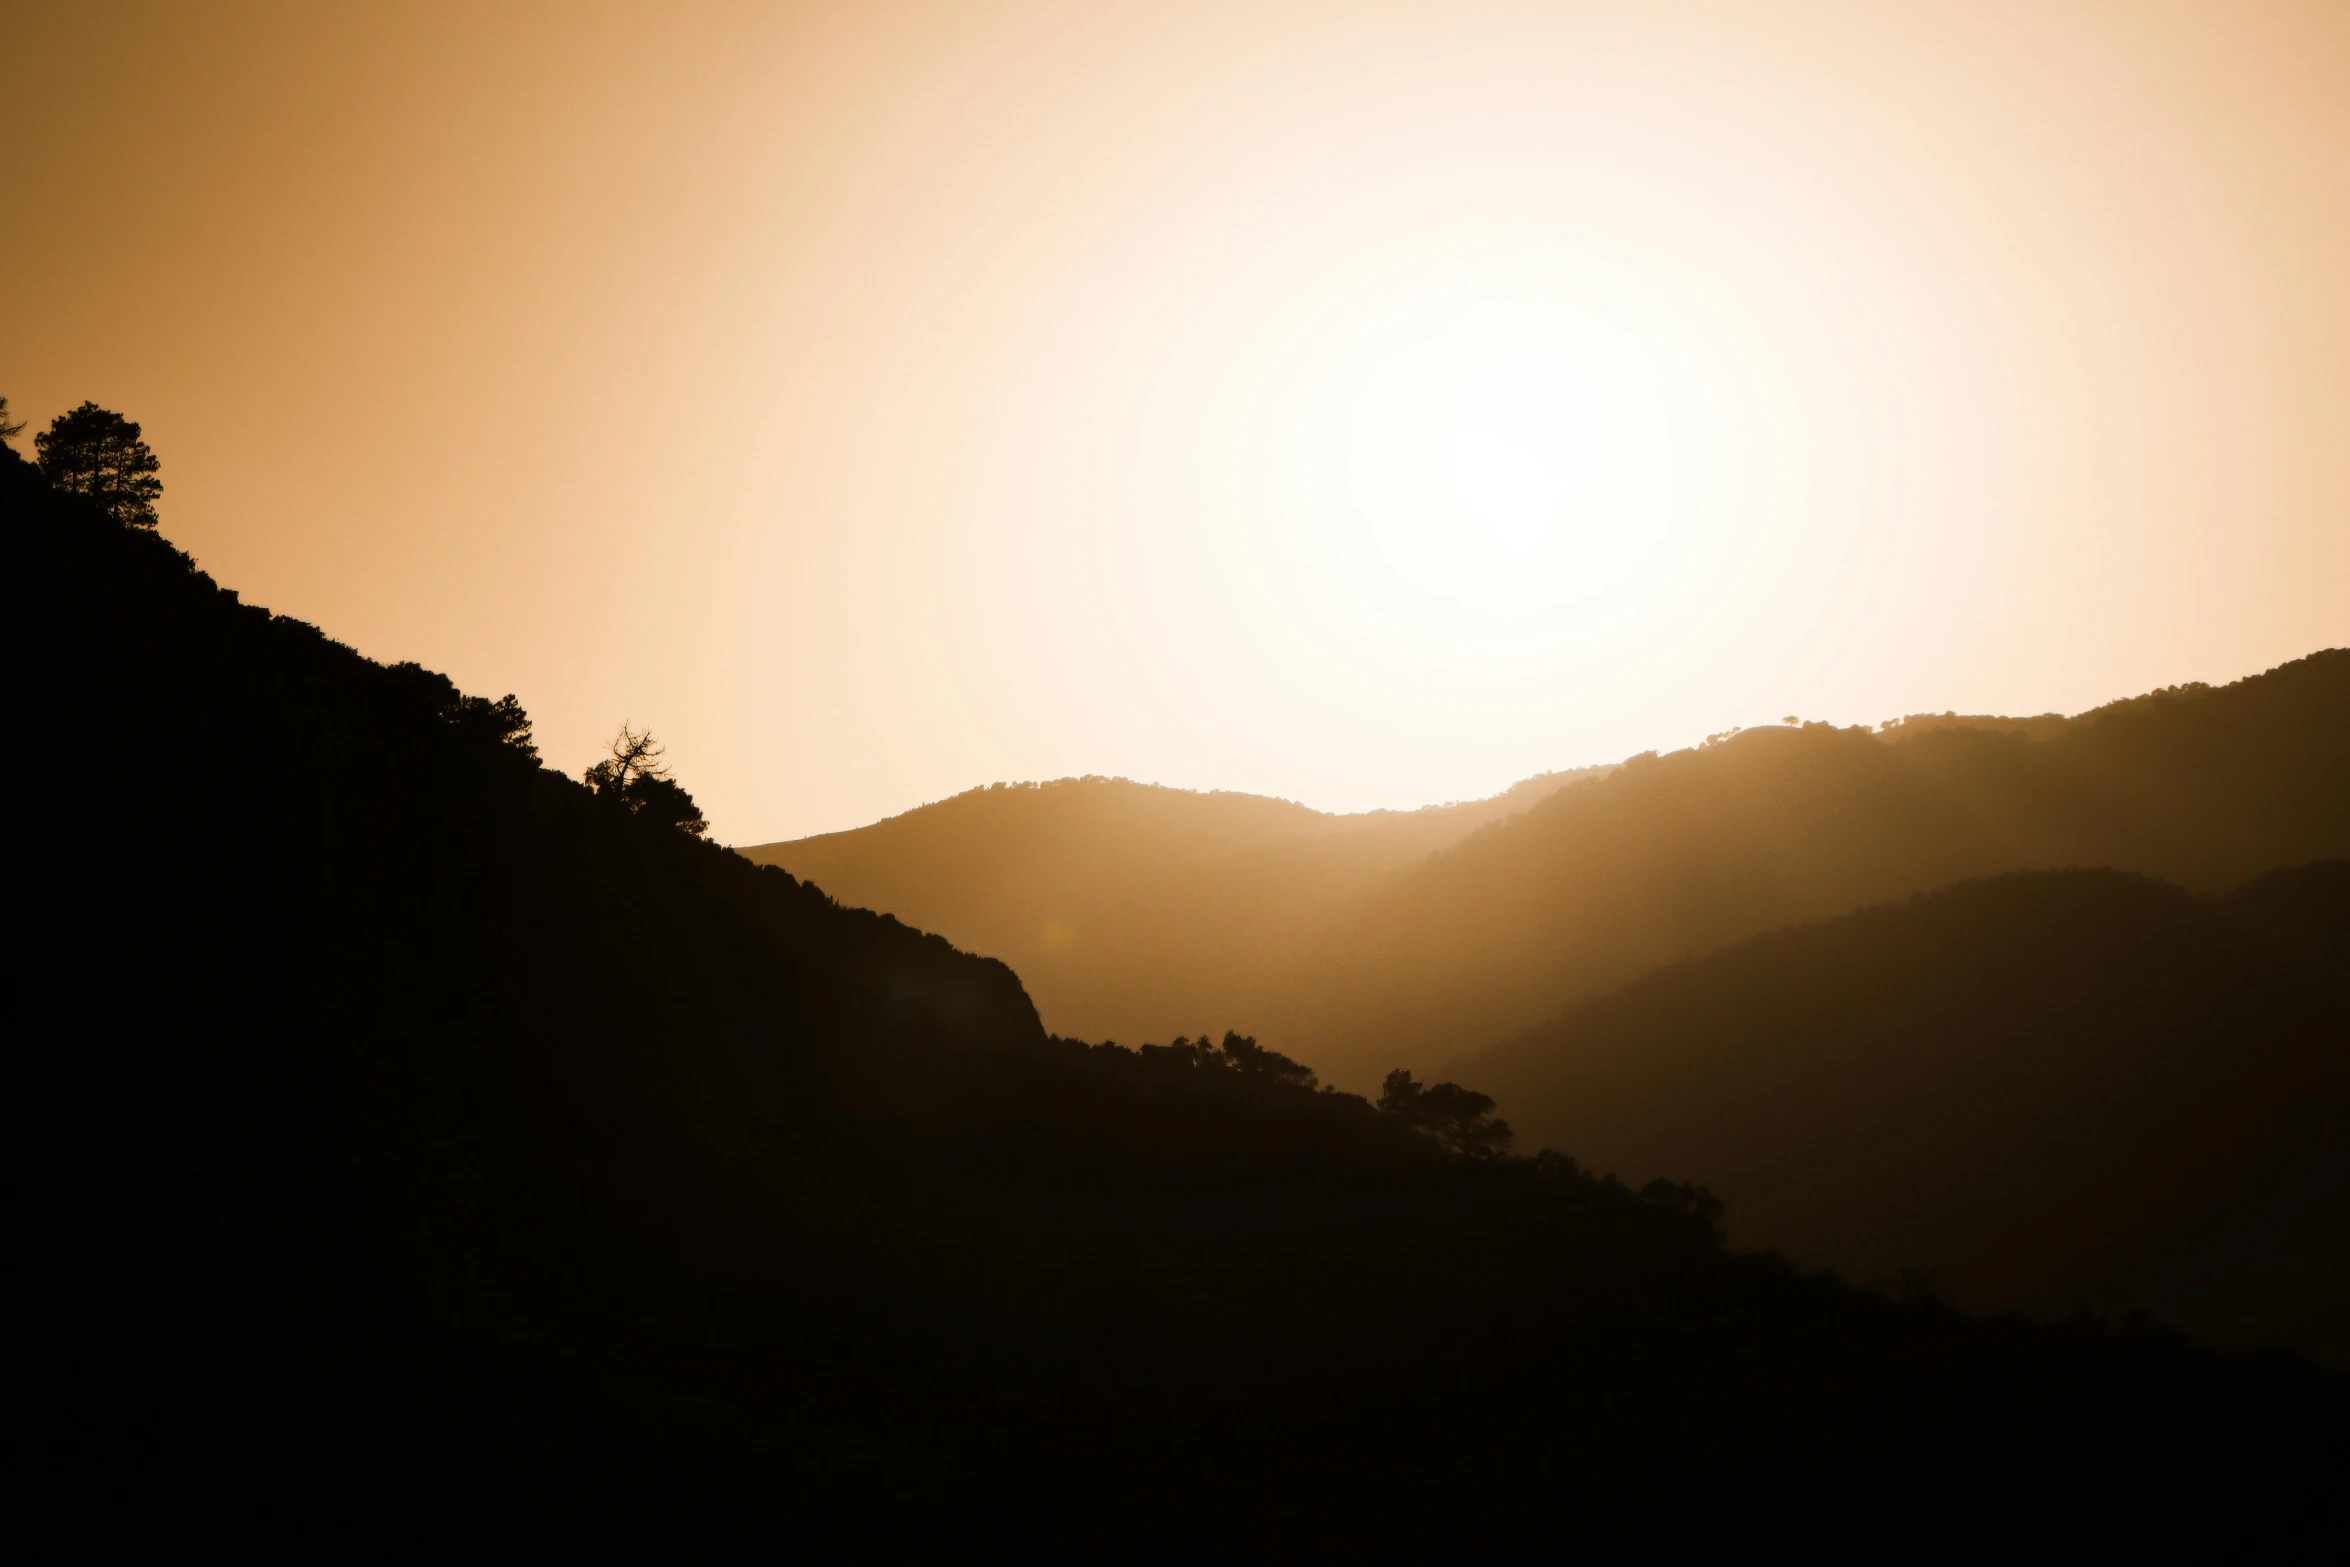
1135	911
423	1159
2049	1090
1675	855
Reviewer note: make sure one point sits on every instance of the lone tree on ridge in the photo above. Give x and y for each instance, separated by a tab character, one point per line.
634	778
96	452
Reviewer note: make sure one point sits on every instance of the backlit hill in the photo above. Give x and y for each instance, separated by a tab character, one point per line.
1679	854
2050	1090
1134	911
421	1158
1361	944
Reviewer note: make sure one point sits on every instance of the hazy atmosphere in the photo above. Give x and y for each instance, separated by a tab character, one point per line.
1331	783
1370	406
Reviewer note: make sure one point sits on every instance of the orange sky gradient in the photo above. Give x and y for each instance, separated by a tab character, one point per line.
1369	405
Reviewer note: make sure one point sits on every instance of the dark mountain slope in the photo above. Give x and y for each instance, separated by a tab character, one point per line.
1133	910
2048	1090
421	1159
1675	855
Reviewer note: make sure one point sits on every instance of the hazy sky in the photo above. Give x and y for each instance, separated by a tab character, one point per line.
1368	404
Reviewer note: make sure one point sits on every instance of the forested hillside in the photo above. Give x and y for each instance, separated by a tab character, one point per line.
1131	910
425	1158
2051	1090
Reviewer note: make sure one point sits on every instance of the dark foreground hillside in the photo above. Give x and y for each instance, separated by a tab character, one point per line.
2048	1090
422	1159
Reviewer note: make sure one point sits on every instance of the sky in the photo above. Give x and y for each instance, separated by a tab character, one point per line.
1365	404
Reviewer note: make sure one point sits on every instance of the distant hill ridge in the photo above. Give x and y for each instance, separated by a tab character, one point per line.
1362	943
1678	854
1134	910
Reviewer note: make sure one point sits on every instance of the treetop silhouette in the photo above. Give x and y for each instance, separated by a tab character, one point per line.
97	453
1239	1053
502	722
635	778
1459	1118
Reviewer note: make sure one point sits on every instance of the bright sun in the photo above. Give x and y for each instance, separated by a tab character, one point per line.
1427	497
1515	461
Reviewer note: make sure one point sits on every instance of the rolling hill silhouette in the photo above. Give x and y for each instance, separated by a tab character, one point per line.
1135	911
2050	1090
1679	854
423	1157
1420	937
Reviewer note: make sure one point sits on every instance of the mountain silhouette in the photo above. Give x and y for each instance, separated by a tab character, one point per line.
425	1157
1132	910
2053	1090
1358	943
1675	855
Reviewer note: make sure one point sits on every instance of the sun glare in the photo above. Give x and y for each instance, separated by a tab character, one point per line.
1514	461
1391	504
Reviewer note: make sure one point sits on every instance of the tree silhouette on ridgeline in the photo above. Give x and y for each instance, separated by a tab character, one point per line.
96	453
634	778
1237	1054
1458	1118
480	720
